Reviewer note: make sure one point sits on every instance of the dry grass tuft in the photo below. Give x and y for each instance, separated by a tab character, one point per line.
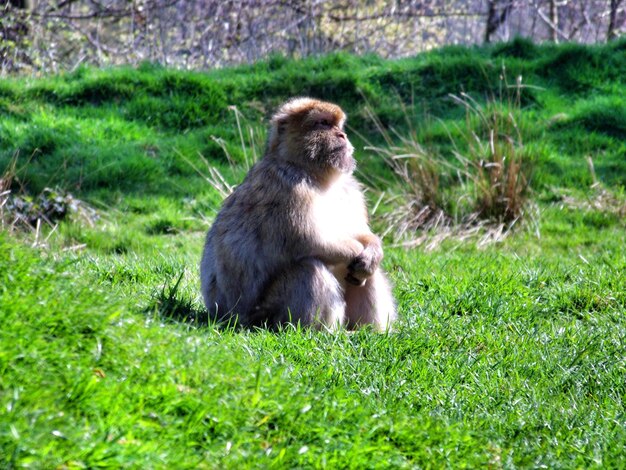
480	191
251	141
598	199
494	163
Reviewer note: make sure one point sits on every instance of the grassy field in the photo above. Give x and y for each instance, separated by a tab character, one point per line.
507	354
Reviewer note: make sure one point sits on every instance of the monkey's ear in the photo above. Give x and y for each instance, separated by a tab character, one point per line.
277	130
281	126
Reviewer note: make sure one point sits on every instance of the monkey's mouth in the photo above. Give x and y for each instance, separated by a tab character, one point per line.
343	148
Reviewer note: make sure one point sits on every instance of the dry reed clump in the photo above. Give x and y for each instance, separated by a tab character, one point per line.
480	191
251	141
494	163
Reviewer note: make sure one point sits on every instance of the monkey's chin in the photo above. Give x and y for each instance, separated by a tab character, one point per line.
348	165
341	162
341	159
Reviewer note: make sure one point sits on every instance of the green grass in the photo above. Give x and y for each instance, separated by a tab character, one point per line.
509	355
500	358
131	129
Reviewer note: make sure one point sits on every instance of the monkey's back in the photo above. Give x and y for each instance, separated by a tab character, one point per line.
252	238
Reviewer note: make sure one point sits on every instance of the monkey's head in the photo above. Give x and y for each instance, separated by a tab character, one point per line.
309	133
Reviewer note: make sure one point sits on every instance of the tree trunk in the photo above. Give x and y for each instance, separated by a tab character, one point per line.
554	19
497	13
612	31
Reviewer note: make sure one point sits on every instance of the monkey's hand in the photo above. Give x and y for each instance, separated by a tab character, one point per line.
366	263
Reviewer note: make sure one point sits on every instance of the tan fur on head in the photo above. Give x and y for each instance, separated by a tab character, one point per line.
296	106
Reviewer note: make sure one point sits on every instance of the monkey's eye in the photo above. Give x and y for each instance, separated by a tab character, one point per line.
325	124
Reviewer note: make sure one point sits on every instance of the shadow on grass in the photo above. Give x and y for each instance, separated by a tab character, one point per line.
171	305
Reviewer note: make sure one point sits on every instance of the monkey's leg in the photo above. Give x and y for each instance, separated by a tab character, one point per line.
213	297
371	303
305	293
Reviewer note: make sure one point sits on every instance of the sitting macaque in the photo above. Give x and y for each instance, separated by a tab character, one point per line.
292	244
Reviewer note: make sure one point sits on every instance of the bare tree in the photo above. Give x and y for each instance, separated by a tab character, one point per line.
61	34
554	20
14	32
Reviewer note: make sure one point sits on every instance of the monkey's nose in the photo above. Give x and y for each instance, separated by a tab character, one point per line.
341	135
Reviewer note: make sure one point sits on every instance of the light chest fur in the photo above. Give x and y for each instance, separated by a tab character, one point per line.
339	211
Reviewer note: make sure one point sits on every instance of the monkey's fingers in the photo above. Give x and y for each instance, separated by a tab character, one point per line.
350	279
361	268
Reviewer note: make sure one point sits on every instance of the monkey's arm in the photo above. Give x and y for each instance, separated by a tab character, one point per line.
336	251
367	261
324	225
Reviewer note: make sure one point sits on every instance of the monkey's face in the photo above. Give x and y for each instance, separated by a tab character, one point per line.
324	142
310	133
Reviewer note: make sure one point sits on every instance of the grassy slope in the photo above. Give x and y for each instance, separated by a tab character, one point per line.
509	355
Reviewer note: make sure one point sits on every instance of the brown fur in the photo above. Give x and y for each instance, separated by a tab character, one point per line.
292	242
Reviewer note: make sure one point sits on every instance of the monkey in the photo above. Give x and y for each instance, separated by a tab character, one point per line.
292	243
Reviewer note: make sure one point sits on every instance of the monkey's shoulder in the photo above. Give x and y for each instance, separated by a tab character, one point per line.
265	196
